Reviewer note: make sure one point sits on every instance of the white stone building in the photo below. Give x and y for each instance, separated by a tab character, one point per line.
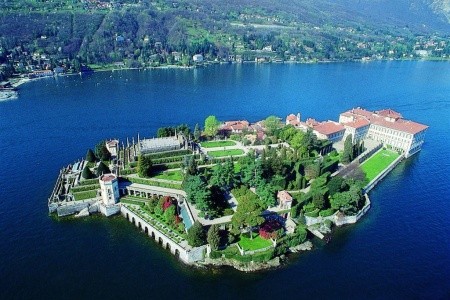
109	188
197	58
386	126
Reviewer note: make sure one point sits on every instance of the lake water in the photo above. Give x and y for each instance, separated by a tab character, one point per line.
400	249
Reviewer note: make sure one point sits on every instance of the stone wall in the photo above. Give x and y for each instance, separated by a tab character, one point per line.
340	220
71	208
187	255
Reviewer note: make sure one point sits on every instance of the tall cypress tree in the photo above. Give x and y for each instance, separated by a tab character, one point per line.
87	173
214	237
347	155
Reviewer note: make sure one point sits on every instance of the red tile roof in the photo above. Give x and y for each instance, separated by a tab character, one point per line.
291	117
358	123
328	127
107	177
381	118
284	196
389	113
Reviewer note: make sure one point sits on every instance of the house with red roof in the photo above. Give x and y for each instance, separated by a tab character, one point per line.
234	127
284	200
386	126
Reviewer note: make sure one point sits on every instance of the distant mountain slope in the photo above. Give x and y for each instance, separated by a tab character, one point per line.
419	14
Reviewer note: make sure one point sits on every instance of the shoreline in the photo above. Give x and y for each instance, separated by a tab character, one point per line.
18	81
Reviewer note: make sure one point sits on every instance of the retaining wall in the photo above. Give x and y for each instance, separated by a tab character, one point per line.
188	256
340	220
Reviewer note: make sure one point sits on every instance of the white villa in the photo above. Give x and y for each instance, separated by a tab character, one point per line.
386	126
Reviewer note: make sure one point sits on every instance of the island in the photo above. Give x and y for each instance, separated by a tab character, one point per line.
237	193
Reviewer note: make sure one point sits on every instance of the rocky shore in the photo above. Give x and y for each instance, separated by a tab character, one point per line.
253	266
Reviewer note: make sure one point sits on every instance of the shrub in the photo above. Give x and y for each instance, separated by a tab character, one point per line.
215	255
313	214
269	229
228	212
327	212
263	256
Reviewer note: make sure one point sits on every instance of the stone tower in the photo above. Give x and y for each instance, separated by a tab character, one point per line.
109	186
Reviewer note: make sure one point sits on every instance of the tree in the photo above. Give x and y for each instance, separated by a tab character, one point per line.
249	168
165	132
347	155
102	169
198	193
223	175
266	192
248	213
90	156
335	185
214	237
189	165
102	152
169	214
197	132
272	123
196	235
211	126
298	143
87	173
144	165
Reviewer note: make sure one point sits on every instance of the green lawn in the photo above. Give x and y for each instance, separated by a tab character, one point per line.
221	153
377	163
85	195
257	243
175	175
214	144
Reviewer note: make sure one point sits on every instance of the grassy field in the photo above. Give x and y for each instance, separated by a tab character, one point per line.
377	163
221	153
85	195
175	175
214	144
257	243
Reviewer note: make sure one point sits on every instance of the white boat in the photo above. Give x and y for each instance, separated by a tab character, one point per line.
8	95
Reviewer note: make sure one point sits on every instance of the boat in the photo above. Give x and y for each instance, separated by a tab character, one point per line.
8	94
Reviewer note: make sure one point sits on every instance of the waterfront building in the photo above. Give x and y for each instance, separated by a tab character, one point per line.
160	144
327	130
234	126
386	126
109	187
197	58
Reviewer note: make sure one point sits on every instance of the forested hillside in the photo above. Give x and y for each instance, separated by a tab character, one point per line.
150	33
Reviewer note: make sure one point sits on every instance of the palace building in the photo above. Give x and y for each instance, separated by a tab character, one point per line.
386	126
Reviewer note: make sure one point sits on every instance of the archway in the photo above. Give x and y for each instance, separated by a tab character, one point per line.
153	235
132	220
146	230
177	253
160	240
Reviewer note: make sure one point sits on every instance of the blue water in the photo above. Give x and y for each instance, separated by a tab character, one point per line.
401	249
185	215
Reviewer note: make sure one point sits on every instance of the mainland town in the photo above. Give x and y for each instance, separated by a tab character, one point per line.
238	193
